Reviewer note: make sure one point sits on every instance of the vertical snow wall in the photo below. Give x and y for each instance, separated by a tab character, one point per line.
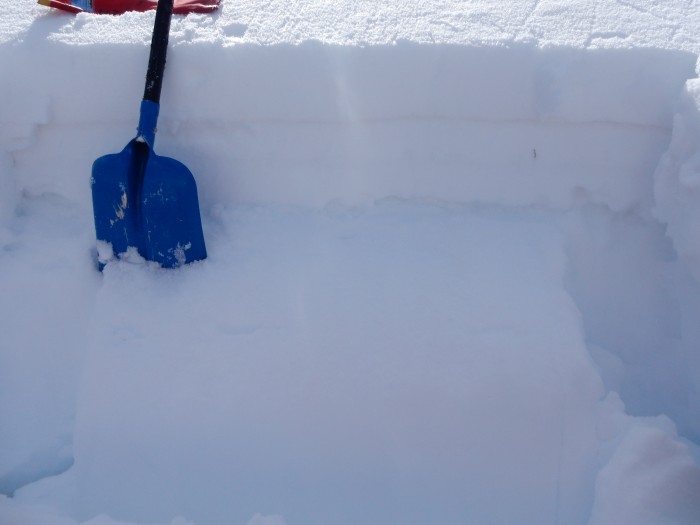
312	125
514	125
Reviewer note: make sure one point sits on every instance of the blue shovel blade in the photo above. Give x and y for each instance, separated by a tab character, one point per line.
148	202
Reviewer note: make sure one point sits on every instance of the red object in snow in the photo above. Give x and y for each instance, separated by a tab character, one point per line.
63	6
117	7
180	7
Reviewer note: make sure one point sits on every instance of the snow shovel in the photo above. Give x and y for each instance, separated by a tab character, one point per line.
142	200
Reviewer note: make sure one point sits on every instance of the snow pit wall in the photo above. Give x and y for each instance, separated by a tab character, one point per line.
513	126
516	125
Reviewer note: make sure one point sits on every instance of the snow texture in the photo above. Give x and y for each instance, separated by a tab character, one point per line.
453	272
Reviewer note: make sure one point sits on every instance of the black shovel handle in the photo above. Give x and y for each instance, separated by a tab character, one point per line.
159	48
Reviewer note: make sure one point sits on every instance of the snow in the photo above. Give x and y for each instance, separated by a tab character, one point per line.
624	486
453	270
678	179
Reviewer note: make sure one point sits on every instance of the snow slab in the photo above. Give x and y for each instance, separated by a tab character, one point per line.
453	271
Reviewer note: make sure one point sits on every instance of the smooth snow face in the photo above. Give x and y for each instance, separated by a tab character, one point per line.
313	123
436	291
399	362
382	364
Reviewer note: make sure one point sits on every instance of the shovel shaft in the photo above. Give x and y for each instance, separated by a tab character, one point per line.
142	200
150	105
148	121
159	48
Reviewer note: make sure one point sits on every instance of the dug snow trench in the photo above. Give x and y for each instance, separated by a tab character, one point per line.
436	292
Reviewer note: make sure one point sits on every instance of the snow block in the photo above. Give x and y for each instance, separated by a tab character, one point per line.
394	368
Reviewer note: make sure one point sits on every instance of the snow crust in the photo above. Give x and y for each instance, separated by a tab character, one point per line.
453	270
670	24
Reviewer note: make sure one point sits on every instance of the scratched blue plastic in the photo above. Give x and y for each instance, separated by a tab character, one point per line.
147	201
85	5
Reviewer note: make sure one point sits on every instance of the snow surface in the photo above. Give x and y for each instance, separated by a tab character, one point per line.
453	273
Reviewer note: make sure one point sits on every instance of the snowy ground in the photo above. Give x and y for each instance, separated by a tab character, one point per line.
453	273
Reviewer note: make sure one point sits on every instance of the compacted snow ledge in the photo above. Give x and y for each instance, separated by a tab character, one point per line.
405	362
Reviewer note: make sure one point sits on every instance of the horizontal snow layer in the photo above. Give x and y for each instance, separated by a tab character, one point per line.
314	123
